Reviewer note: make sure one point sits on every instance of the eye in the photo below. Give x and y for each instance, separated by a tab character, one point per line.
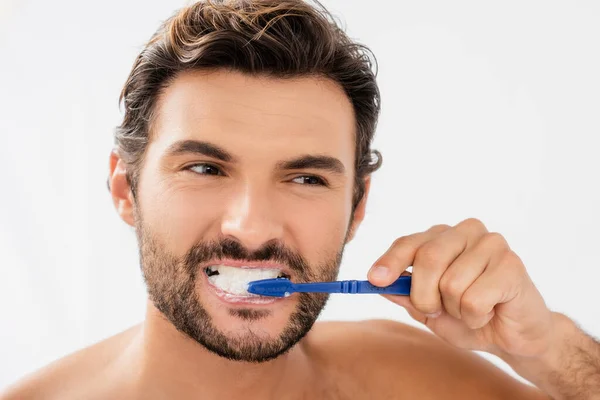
310	180
204	169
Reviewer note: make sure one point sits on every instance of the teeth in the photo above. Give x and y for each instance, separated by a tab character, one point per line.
235	280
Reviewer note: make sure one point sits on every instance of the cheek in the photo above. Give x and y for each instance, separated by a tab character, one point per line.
179	216
322	227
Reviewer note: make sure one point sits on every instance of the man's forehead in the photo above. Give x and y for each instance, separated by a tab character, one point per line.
234	107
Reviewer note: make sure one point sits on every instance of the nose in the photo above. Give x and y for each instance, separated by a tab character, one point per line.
251	218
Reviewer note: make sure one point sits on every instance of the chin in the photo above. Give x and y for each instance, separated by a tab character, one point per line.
238	316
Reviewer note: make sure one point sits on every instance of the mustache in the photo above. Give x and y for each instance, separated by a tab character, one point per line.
272	251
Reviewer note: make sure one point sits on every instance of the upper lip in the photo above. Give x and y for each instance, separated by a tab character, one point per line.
248	264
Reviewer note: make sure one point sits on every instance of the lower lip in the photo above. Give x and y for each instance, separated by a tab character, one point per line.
237	299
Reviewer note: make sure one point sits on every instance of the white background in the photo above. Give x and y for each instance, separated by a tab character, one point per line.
490	110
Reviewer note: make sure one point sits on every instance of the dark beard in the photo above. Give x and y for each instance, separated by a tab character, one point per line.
171	284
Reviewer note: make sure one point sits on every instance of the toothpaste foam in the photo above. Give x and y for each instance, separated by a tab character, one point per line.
235	280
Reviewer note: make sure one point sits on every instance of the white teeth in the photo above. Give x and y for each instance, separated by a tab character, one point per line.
235	280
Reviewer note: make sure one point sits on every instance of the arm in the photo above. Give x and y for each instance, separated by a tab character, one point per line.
472	290
571	367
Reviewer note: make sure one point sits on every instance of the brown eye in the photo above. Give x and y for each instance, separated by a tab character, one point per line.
309	180
205	169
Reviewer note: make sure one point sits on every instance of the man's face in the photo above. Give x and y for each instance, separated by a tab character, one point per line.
244	172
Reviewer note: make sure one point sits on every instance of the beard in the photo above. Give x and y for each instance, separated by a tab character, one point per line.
171	283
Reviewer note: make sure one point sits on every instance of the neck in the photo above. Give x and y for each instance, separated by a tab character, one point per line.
170	363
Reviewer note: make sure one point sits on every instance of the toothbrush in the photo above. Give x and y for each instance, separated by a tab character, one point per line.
281	287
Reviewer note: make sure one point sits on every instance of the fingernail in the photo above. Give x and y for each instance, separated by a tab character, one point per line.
434	315
380	272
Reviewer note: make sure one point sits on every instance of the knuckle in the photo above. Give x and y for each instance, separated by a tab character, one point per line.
450	287
510	260
470	305
494	239
439	227
408	241
401	241
474	223
513	257
428	254
506	258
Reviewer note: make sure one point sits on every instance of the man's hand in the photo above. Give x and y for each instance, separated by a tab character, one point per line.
472	290
469	288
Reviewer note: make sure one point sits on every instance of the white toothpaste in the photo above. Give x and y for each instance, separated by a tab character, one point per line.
235	280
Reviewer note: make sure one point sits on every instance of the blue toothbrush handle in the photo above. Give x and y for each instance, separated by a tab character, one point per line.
400	287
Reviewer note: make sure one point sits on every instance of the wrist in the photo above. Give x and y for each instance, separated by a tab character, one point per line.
563	334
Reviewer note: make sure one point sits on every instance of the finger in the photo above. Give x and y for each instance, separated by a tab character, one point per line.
498	284
466	269
473	228
431	261
400	256
401	300
404	301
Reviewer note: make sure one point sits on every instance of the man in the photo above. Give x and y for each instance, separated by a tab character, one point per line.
245	152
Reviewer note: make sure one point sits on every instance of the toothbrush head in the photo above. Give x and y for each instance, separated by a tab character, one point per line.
278	287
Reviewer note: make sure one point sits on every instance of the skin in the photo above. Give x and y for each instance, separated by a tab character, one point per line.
469	288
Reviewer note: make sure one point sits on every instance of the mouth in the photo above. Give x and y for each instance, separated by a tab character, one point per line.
233	281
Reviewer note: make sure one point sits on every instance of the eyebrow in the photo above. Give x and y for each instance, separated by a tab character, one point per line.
325	163
200	148
319	162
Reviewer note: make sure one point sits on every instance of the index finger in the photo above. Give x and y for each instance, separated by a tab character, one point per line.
400	256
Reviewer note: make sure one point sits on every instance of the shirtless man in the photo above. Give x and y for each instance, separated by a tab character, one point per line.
246	141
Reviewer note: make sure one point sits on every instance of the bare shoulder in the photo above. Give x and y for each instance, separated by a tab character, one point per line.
398	358
72	375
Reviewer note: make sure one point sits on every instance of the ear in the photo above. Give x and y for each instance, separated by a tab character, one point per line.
359	213
120	189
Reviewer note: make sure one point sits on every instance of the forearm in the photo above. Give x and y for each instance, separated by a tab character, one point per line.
570	369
